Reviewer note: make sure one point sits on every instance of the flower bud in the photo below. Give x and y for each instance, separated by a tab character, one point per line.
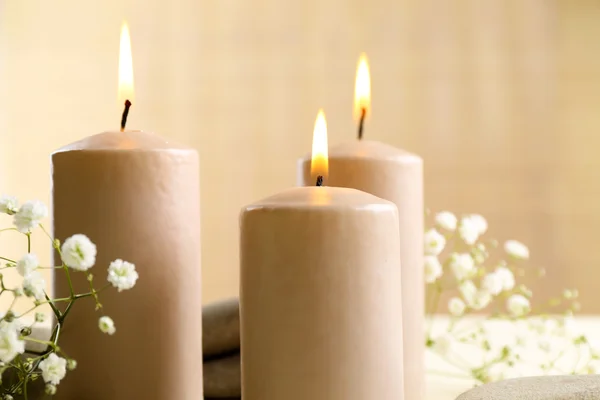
50	390
26	331
9	316
71	364
40	317
7	397
18	292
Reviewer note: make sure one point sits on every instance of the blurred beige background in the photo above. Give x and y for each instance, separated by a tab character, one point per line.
500	97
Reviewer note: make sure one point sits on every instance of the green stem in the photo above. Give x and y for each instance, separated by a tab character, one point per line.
28	242
8	259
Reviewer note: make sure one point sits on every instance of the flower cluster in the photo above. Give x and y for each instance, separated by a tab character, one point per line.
459	267
78	255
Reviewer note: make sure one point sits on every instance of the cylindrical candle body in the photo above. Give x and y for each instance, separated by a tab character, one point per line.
137	197
320	297
397	176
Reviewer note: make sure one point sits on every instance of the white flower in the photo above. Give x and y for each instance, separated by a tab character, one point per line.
468	230
10	344
492	283
462	265
34	285
122	274
434	242
8	204
79	253
433	269
27	264
516	249
107	325
53	368
446	220
476	299
518	305
456	306
505	276
480	223
443	344
30	215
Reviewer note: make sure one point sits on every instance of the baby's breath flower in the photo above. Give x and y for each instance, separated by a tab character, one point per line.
50	389
433	269
456	306
122	274
30	215
107	325
434	242
79	253
27	264
480	223
492	282
475	298
506	277
518	305
446	220
516	249
8	204
34	285
40	317
443	344
462	265
10	344
54	369
71	364
468	230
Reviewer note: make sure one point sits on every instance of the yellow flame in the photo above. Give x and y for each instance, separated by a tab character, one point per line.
126	91
319	164
362	89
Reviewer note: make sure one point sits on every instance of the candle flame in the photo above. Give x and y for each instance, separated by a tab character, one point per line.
319	164
126	91
362	89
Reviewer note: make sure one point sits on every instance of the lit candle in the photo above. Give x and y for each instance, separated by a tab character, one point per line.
321	314
395	175
136	196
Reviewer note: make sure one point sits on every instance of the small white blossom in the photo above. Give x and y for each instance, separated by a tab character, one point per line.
480	223
54	369
518	305
492	282
443	344
433	269
30	215
434	242
446	220
462	265
475	298
27	264
468	230
79	253
456	307
107	325
122	274
8	204
34	285
516	249
505	276
10	344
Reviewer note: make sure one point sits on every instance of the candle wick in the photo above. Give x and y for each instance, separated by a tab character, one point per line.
320	180
125	114
361	123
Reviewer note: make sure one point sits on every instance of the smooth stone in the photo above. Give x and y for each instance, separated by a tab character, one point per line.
221	328
569	387
222	377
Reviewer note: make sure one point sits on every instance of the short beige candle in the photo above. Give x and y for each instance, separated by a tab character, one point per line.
395	175
320	298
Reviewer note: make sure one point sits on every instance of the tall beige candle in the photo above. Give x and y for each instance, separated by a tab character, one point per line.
137	197
395	175
320	301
